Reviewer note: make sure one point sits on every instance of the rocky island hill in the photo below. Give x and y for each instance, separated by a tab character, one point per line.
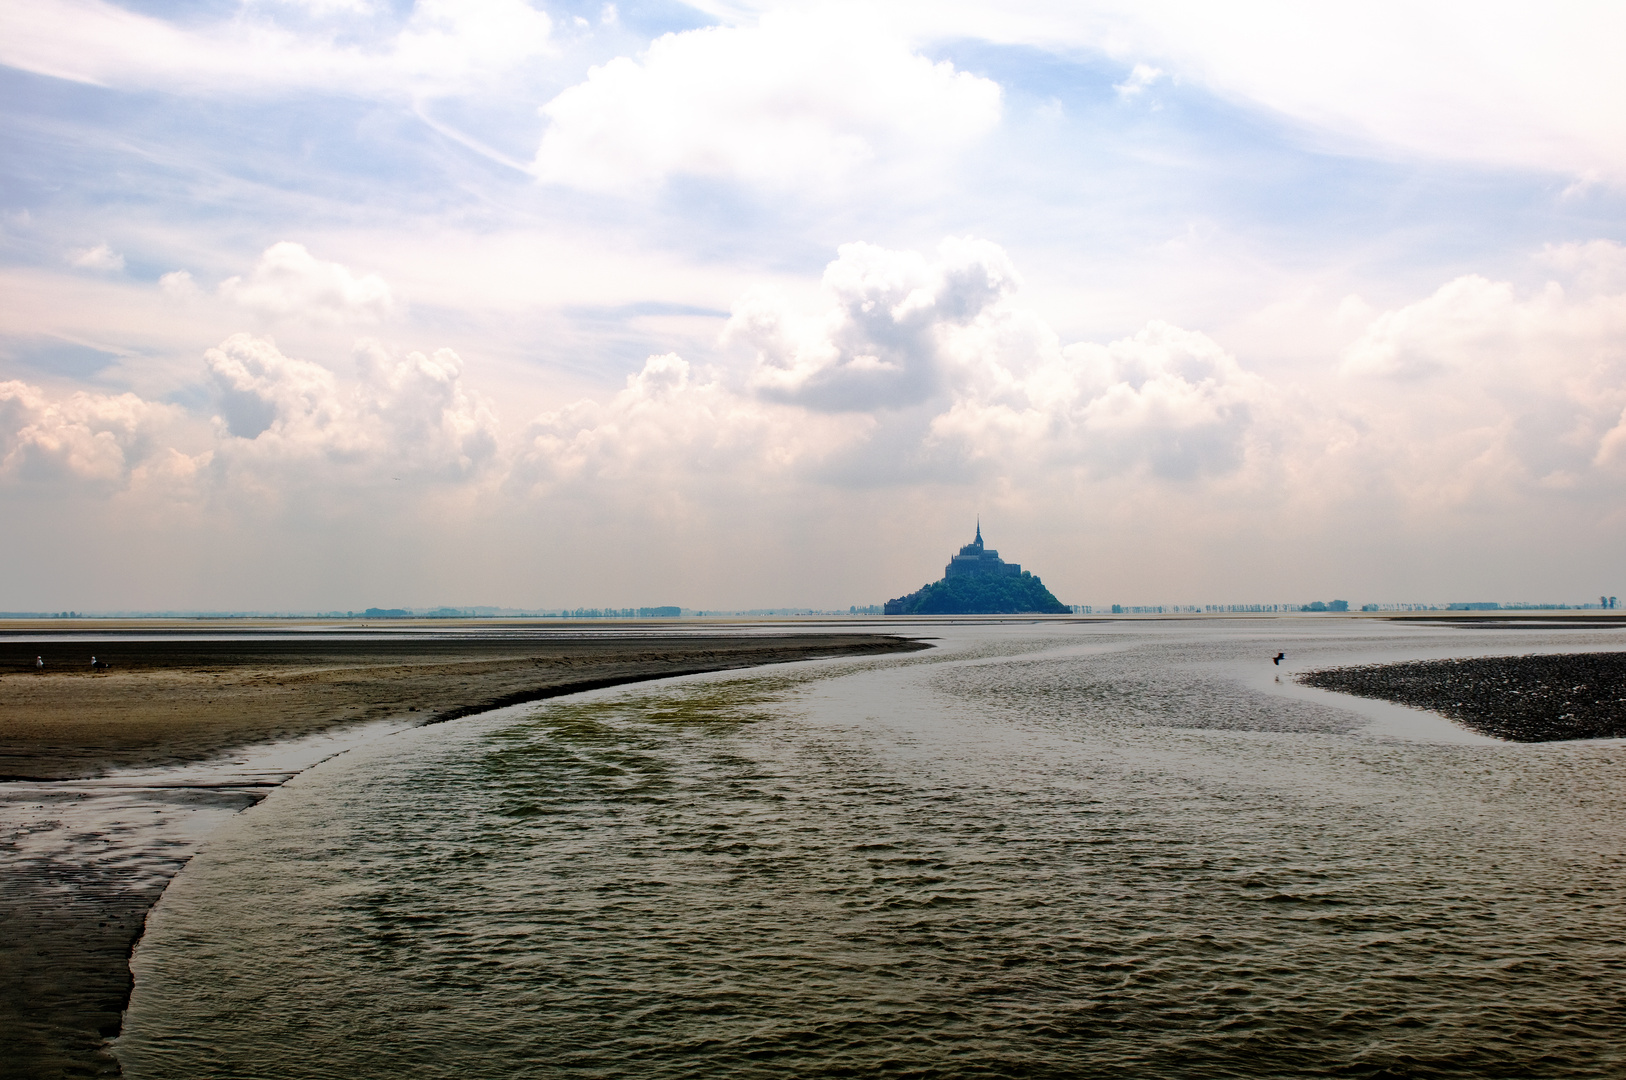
978	582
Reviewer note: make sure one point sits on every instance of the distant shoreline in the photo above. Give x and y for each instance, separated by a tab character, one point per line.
70	623
194	697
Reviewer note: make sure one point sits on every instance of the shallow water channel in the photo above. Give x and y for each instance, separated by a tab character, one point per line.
1037	850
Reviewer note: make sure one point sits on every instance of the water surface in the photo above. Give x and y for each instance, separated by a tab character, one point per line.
1041	850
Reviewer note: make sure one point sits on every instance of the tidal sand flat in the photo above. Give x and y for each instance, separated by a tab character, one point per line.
114	777
1052	850
173	696
1535	698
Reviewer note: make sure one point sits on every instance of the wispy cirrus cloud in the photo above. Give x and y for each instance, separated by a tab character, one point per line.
442	47
1525	85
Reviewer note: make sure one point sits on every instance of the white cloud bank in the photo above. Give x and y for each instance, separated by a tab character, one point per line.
921	375
796	101
927	366
917	366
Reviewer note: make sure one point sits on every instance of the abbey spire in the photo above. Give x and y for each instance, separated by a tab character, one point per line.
978	581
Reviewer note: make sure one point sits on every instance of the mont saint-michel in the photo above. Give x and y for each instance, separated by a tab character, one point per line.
978	582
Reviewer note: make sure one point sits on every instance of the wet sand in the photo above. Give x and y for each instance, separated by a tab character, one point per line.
1540	698
195	695
114	777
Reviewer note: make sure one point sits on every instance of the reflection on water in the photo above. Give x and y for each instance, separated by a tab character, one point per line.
1036	851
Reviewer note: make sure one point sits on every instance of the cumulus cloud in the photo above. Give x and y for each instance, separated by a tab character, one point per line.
1141	78
1596	266
1481	388
795	101
923	365
1168	402
430	421
1445	332
903	331
913	365
667	429
280	421
898	329
918	369
101	257
85	437
261	389
444	46
179	285
409	413
289	281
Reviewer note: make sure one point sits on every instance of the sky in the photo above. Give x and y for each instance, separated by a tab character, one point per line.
329	304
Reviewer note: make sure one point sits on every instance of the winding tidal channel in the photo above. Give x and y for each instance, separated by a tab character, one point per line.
1037	850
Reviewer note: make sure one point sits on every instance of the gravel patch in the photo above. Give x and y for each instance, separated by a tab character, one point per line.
1541	698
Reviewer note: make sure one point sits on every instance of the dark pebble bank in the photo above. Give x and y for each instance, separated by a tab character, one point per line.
1520	698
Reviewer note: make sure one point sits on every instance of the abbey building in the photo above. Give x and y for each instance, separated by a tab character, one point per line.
976	559
978	582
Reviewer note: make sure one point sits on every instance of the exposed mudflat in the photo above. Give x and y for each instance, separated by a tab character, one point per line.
1538	698
186	698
